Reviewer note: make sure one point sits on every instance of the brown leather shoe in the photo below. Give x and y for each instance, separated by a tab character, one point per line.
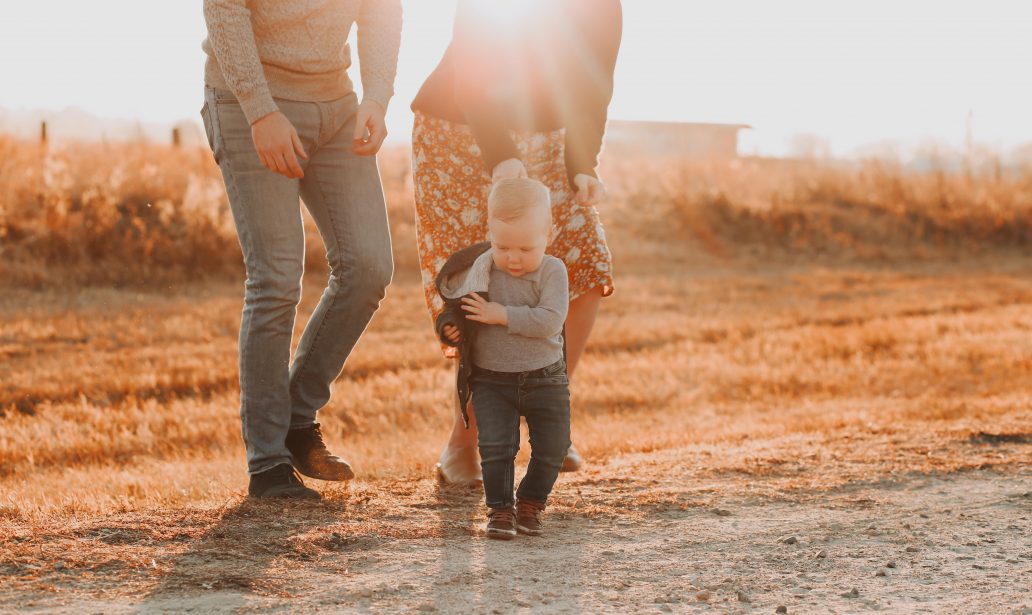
501	523
313	459
528	517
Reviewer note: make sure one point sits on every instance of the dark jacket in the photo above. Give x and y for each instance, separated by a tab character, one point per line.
454	277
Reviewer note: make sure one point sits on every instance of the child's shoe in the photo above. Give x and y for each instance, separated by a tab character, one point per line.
528	517
501	523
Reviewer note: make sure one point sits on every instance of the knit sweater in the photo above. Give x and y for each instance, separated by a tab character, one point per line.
536	304
550	67
297	50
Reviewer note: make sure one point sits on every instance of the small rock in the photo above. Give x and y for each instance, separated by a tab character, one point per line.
781	609
59	566
608	552
702	595
912	549
426	607
924	515
366	593
742	596
821	554
666	608
720	512
853	593
791	540
890	565
881	573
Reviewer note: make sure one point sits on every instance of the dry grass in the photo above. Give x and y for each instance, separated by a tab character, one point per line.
775	330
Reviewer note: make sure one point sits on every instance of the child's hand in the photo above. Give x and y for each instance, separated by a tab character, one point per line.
484	311
452	333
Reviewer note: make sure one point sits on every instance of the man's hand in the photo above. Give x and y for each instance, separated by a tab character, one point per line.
452	333
370	128
590	190
511	168
278	145
481	310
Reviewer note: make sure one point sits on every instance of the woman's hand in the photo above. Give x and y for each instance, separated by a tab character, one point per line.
508	169
590	190
452	333
278	145
481	310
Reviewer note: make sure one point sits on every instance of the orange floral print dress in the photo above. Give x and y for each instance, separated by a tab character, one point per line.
451	188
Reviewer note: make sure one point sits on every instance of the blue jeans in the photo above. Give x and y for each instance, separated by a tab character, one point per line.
343	193
499	399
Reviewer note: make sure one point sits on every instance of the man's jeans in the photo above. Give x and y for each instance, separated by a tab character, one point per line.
343	193
499	399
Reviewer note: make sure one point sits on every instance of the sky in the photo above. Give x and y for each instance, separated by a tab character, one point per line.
852	73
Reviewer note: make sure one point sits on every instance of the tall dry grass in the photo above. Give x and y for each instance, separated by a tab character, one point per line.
146	214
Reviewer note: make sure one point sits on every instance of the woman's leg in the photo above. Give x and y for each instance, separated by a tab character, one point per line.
579	322
459	462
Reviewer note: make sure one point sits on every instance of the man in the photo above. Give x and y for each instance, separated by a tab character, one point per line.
283	122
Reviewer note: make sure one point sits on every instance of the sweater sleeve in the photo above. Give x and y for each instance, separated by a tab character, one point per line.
379	37
599	30
232	40
546	319
478	58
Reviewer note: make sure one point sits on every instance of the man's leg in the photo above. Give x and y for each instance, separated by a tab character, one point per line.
267	214
344	195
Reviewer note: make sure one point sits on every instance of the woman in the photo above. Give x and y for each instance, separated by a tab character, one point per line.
523	90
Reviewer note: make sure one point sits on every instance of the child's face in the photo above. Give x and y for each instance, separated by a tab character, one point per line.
519	245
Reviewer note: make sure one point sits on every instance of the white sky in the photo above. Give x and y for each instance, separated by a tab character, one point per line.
853	72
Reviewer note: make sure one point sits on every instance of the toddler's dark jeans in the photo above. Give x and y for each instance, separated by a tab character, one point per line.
499	399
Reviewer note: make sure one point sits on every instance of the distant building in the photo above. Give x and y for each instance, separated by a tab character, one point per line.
695	140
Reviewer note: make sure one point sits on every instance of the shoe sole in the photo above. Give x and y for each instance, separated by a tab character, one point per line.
287	496
528	531
334	478
501	535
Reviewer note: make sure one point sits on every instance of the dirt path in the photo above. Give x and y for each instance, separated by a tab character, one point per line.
960	542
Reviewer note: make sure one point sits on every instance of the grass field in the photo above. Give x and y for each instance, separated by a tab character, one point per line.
778	332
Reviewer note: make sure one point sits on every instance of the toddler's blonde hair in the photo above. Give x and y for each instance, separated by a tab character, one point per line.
512	199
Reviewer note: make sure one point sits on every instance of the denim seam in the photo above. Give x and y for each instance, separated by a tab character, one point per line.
514	445
333	297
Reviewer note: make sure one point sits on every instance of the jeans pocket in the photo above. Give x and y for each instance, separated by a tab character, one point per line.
210	130
557	380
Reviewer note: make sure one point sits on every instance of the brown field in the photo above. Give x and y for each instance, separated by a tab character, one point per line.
839	354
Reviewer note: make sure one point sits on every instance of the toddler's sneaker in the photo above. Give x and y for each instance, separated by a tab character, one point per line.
501	523
528	517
